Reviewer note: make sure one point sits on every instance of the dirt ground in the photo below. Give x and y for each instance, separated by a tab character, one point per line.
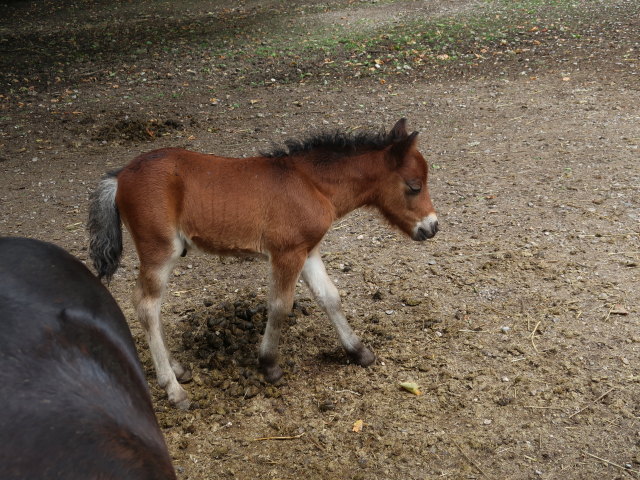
519	320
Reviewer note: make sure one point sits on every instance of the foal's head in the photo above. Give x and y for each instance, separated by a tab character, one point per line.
404	194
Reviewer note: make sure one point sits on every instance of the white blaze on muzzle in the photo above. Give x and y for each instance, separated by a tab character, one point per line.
426	228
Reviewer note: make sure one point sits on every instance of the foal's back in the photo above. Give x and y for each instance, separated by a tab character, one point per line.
74	399
223	205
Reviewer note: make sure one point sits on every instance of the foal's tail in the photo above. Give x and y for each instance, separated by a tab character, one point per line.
105	230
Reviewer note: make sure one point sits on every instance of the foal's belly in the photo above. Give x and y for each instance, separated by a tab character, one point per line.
227	247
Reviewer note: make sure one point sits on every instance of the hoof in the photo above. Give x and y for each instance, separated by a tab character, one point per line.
272	372
362	356
182	374
185	376
183	404
179	398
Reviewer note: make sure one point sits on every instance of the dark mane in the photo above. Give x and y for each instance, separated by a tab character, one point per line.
346	143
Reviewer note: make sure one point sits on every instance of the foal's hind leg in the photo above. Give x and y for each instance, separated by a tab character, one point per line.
284	275
326	294
155	268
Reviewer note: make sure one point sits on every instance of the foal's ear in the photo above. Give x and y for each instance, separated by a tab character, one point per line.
400	149
399	130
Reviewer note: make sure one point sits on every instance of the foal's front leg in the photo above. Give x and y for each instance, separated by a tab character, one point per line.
285	270
326	294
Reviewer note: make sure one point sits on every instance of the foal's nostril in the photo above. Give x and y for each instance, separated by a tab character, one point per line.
427	230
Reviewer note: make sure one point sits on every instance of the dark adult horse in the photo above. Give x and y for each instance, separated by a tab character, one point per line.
74	399
279	205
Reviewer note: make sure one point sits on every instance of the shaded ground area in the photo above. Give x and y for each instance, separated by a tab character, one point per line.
519	321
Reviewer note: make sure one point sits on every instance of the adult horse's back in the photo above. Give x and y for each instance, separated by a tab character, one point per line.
279	205
75	403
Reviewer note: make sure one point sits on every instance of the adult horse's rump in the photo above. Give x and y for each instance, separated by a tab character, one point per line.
75	403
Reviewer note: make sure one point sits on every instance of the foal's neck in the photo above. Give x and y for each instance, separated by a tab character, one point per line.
349	183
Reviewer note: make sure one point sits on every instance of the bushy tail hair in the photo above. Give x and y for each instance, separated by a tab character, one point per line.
105	229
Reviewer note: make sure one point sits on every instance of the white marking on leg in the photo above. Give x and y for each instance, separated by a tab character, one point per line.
271	338
326	294
148	309
284	275
149	315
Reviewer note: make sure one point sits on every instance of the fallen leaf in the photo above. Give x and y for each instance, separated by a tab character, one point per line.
357	426
73	226
411	387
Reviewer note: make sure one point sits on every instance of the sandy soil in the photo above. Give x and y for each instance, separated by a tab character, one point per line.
519	321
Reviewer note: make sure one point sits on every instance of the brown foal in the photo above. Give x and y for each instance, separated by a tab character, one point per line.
279	205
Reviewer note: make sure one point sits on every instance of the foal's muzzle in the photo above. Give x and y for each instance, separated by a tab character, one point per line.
426	228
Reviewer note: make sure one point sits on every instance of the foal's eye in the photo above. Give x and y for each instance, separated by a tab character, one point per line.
415	186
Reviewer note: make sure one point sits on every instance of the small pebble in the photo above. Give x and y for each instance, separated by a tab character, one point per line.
411	301
486	421
505	379
505	329
389	312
